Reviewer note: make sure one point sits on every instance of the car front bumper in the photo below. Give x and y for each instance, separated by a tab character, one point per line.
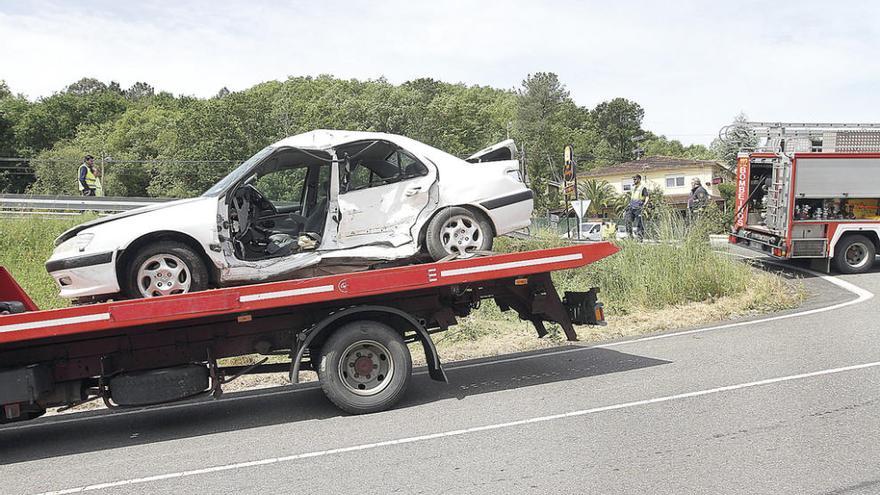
84	276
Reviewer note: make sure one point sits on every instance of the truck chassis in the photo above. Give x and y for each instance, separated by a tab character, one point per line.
352	329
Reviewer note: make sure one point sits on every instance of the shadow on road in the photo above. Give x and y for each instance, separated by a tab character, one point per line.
104	430
790	268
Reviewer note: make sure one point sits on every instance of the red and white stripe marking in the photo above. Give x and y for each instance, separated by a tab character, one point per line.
72	320
511	264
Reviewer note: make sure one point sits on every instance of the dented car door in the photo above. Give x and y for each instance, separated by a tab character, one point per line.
376	208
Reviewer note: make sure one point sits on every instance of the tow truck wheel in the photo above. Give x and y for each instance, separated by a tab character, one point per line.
164	268
855	254
365	367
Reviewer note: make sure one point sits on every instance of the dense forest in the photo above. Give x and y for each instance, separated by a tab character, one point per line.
158	144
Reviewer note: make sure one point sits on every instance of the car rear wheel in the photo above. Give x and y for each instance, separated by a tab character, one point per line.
458	231
163	269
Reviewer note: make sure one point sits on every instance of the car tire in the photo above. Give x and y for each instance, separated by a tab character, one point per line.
365	367
457	231
164	268
854	254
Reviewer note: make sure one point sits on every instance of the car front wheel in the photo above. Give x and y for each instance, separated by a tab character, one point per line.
165	268
458	231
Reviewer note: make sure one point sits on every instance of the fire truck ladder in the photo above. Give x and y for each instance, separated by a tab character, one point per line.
777	195
806	136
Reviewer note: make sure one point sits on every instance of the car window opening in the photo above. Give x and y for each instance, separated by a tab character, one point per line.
376	163
281	207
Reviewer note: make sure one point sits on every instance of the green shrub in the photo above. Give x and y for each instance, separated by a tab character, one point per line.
678	267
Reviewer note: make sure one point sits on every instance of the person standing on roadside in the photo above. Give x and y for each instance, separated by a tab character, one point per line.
697	199
86	178
638	200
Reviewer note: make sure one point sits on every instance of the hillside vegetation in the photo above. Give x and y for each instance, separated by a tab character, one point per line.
160	144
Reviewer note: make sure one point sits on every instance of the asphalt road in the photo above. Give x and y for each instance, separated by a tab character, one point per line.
787	404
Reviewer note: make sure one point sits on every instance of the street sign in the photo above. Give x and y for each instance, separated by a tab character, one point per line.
568	167
569	189
580	207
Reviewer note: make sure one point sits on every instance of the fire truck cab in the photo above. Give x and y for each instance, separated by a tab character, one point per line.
819	205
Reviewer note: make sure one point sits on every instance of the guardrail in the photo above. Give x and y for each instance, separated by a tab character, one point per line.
22	204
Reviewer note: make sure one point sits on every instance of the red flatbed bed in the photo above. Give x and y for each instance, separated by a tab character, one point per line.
92	345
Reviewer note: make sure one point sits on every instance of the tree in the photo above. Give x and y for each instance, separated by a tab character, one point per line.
617	122
540	100
138	91
660	146
600	193
733	138
86	86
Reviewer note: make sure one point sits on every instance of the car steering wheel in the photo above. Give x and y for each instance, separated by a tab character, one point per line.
257	200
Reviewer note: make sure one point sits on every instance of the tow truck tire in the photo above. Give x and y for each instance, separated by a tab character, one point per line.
143	388
457	231
172	264
854	254
365	367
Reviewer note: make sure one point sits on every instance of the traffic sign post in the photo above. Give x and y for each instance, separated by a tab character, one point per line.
569	176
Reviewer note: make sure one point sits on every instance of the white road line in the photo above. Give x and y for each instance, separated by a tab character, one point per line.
863	295
456	433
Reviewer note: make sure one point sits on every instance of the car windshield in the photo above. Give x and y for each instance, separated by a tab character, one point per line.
237	174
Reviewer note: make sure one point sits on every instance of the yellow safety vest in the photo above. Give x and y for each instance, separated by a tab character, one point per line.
637	193
91	180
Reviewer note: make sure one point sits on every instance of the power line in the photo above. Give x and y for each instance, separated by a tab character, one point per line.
110	162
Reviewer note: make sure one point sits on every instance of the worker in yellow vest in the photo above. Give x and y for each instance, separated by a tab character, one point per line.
86	178
632	216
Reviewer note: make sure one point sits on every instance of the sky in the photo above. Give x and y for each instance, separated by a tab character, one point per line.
692	65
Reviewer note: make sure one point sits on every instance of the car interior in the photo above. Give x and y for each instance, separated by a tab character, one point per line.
282	207
374	163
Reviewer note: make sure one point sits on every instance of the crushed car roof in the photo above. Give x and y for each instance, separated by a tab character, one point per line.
323	139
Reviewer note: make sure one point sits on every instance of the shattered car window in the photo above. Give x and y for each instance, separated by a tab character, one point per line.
409	165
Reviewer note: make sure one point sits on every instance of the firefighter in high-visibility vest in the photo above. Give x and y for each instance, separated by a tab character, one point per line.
638	200
86	178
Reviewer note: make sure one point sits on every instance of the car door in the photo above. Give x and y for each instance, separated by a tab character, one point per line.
382	200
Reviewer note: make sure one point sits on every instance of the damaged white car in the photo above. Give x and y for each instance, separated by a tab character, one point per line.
316	203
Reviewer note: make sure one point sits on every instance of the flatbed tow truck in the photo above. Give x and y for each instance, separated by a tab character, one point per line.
352	329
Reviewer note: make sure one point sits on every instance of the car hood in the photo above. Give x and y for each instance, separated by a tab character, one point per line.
72	232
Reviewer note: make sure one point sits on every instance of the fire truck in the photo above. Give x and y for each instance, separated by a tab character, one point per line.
816	205
352	329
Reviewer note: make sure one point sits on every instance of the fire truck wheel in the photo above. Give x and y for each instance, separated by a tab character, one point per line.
365	367
164	268
457	231
855	254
